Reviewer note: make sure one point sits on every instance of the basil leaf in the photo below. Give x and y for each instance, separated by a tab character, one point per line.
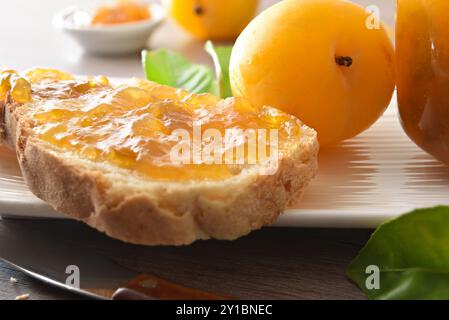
412	255
221	57
172	69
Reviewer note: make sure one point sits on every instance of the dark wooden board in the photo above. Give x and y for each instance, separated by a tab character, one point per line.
287	263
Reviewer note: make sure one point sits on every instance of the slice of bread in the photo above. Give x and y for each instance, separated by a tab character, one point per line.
136	209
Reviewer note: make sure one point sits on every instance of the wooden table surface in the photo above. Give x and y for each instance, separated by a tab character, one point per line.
273	263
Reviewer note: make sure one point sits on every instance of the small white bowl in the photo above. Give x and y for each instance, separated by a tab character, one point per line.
108	39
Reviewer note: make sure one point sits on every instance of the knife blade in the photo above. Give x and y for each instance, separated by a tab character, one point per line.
56	263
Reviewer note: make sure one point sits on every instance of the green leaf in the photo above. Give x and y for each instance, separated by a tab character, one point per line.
412	254
172	69
221	57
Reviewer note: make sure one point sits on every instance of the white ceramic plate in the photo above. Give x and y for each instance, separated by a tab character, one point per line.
365	181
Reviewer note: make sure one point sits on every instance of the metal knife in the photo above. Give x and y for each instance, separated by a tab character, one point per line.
43	258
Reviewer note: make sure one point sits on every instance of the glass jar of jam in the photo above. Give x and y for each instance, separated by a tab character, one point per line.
422	46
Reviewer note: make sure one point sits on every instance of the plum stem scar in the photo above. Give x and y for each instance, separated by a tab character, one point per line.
198	8
343	61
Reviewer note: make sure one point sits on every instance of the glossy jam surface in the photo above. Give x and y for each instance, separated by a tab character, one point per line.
422	41
136	125
14	85
124	11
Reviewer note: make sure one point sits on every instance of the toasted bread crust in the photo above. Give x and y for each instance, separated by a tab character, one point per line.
166	214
